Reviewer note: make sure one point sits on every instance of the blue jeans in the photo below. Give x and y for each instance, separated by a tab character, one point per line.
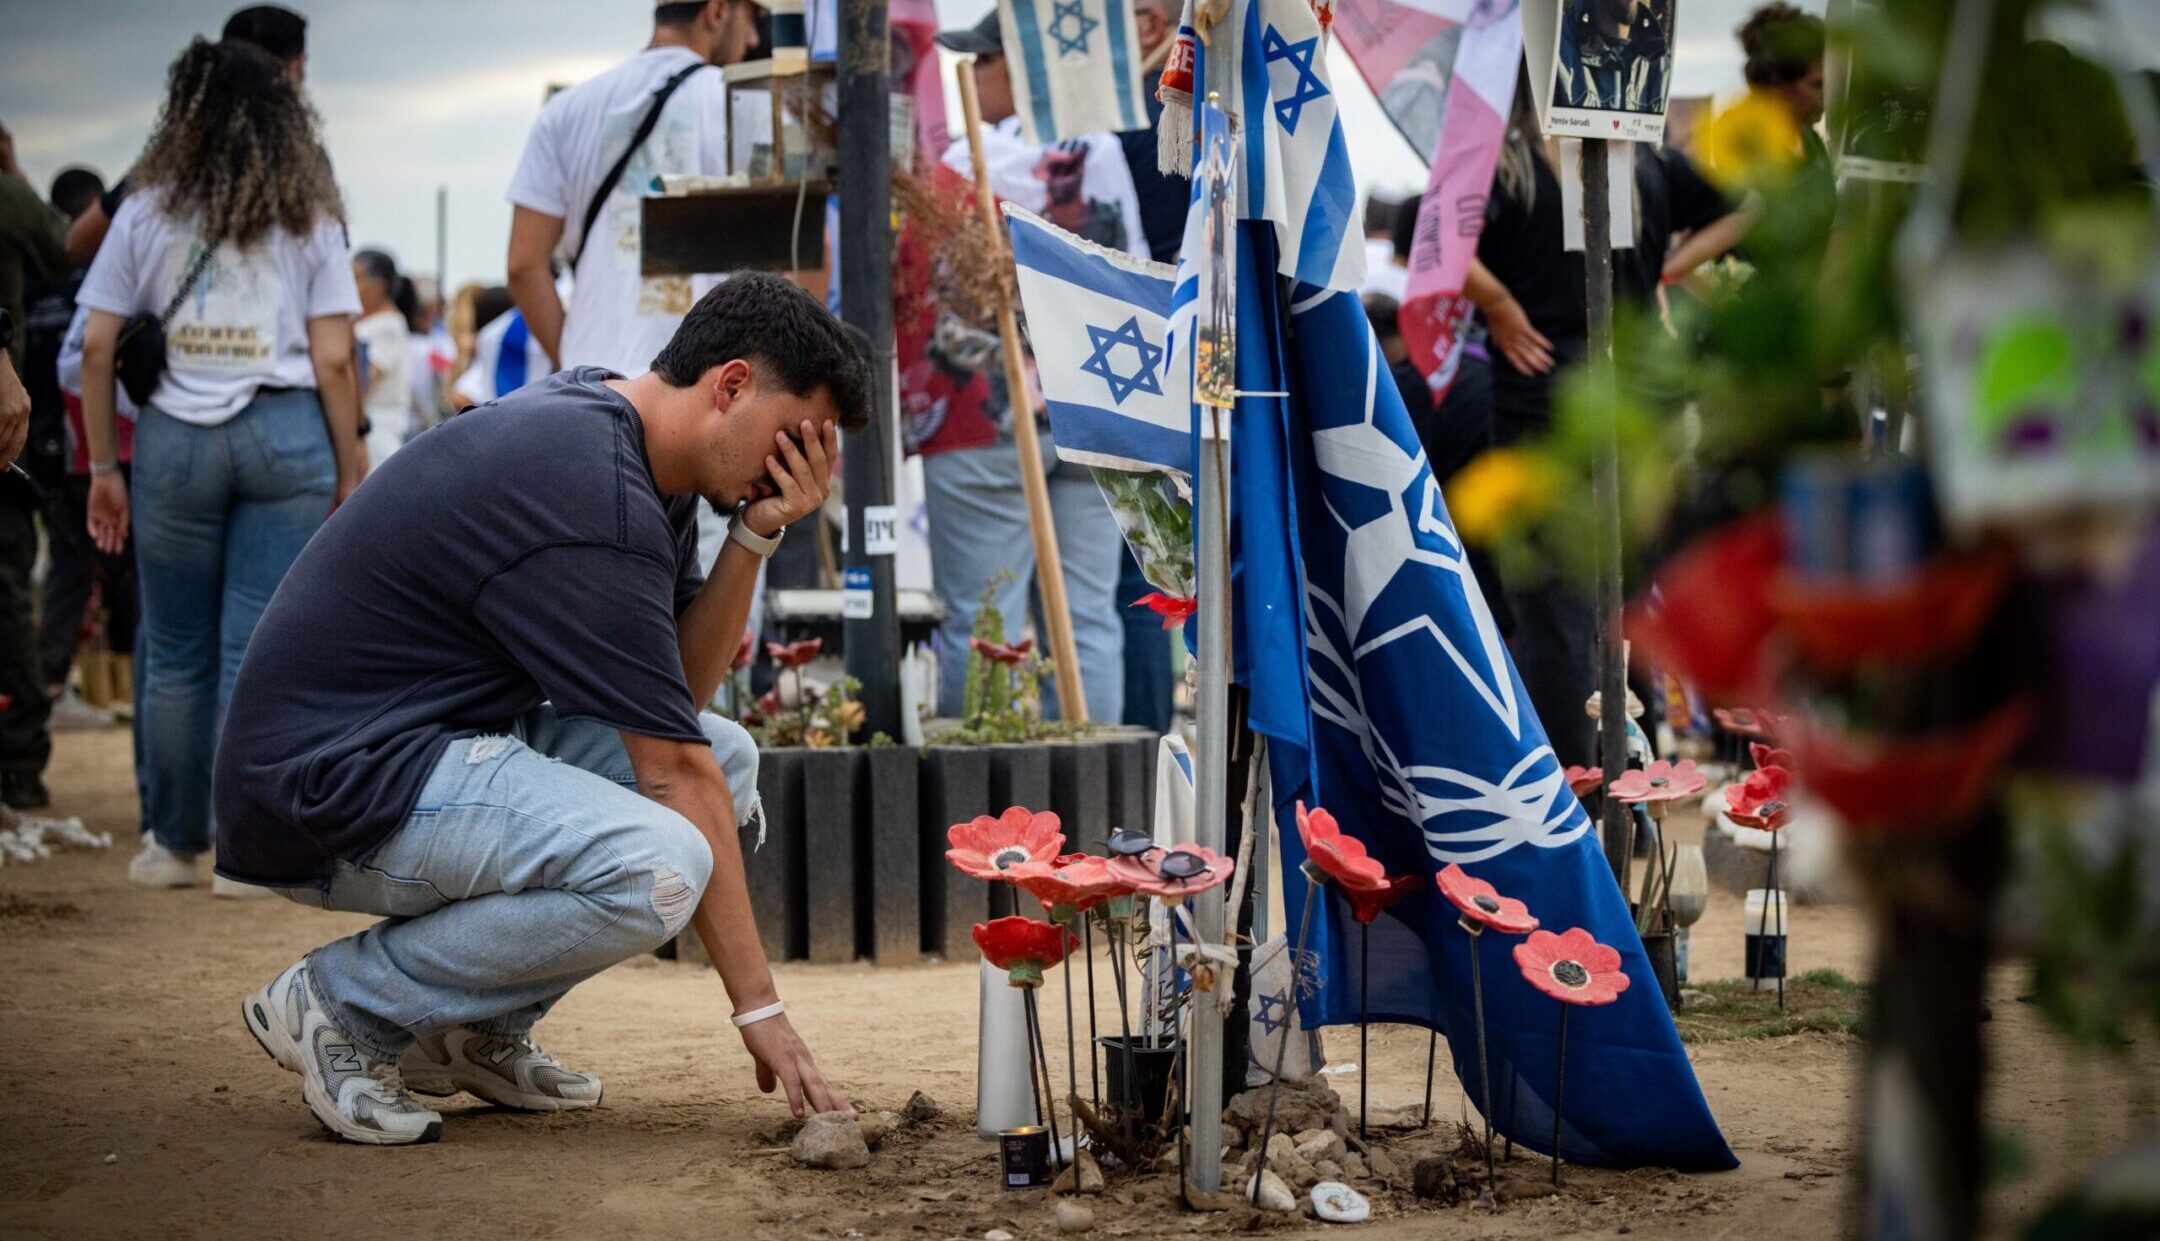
526	867
979	525
220	513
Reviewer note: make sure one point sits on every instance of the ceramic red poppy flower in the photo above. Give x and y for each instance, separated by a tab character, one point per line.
1769	755
1172	874
1741	721
1072	884
999	652
794	654
1709	616
1571	967
1482	903
746	650
1660	781
1761	800
1368	905
1174	609
1582	780
1024	947
1342	857
986	848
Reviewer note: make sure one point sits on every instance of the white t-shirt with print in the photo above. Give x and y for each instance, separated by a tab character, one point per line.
1102	206
618	318
243	326
387	381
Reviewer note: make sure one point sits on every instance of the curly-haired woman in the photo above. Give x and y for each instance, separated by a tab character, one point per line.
235	236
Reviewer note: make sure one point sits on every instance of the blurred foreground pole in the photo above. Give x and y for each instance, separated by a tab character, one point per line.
866	244
1605	486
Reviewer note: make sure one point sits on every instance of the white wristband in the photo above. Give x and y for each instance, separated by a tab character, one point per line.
756	1015
743	534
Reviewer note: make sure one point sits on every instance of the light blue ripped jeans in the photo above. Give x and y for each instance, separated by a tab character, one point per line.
529	864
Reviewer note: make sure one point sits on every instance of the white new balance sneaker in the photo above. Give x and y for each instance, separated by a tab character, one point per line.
508	1071
355	1096
159	867
234	890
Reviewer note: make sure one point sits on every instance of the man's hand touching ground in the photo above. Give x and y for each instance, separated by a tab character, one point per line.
783	1059
800	476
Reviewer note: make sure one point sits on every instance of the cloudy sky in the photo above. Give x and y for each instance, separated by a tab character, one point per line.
421	94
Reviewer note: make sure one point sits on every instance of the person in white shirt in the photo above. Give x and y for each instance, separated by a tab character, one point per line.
385	356
234	235
619	318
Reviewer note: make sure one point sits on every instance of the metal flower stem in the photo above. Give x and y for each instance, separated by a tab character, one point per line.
1432	1056
1484	1066
1176	1116
1364	1051
1041	1058
1267	1126
1559	1085
1762	946
1087	931
1128	1093
1072	1066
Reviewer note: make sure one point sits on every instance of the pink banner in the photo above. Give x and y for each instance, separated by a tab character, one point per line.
1444	71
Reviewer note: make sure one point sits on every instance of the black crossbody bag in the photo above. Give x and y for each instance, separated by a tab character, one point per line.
139	358
614	175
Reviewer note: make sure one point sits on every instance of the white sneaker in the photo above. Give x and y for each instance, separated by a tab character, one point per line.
71	712
159	867
355	1096
506	1070
234	890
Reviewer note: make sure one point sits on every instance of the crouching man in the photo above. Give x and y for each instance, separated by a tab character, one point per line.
472	708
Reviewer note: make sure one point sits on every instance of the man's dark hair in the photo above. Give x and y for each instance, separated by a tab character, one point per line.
490	304
380	266
784	333
75	189
1782	43
1404	233
677	14
273	28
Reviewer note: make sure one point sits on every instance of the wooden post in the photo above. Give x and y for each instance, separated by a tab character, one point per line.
1049	570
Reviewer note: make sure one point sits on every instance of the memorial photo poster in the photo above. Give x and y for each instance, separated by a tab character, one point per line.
1606	65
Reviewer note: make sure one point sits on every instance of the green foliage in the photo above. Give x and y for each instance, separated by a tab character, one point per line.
1002	702
2091	963
1816	1002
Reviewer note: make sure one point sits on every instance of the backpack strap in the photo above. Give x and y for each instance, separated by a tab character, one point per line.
614	175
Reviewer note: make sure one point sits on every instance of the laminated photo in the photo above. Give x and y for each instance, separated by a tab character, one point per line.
1608	65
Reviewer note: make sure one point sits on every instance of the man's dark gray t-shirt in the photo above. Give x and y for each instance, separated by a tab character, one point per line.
518	553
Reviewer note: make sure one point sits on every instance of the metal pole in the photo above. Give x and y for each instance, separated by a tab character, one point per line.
1605	485
1049	568
866	301
1212	775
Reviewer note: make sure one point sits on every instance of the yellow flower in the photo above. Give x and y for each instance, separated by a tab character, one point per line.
1501	491
1750	143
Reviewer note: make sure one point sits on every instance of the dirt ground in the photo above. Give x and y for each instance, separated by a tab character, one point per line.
138	1106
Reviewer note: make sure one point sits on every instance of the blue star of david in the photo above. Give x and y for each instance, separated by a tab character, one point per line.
1272	1015
1076	41
1122	386
1308	88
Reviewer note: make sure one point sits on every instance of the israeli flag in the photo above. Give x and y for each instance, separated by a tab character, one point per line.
1268	64
1075	66
1113	365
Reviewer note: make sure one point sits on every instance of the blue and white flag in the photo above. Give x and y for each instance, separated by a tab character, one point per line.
1378	676
1267	63
1425	746
1113	371
1075	66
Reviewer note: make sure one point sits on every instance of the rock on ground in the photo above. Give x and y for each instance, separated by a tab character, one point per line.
1337	1203
876	1127
1090	1173
921	1109
831	1140
1074	1216
1275	1195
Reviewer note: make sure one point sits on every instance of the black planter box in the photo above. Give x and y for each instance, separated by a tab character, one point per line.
854	860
